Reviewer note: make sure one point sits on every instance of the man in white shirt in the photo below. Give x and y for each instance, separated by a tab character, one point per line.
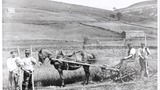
28	61
143	53
13	64
129	58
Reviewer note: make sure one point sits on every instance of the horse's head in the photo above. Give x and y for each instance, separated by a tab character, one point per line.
43	54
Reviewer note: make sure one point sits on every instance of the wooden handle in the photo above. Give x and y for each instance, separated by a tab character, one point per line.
31	50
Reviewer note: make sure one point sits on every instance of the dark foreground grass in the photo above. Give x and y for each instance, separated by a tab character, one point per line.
57	82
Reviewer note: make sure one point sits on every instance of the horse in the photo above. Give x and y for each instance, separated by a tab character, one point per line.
79	56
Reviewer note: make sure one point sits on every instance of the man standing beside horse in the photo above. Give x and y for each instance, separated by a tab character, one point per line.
28	61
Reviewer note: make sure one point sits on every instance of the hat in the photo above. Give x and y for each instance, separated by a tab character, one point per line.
129	44
14	51
142	43
27	51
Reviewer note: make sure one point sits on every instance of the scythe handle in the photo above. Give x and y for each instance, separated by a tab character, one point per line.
146	61
32	71
20	73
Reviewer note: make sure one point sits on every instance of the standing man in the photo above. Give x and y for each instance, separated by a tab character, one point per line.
129	58
28	70
143	53
13	64
85	40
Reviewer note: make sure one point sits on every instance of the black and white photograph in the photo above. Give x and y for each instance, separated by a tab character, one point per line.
80	44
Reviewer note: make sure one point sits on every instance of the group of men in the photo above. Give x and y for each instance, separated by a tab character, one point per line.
15	65
143	53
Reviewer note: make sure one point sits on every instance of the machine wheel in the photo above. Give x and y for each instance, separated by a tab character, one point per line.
128	74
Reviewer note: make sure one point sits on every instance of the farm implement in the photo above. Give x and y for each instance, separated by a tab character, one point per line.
115	73
121	74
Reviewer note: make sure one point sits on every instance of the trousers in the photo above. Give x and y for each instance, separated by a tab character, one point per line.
143	64
13	81
27	81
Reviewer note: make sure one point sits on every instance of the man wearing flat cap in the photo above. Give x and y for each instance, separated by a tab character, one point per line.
28	62
13	64
143	53
130	57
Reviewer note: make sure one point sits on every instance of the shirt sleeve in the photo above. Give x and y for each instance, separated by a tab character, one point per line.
148	51
19	62
33	61
9	64
139	52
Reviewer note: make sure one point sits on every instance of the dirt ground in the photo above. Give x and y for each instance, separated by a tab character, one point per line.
146	84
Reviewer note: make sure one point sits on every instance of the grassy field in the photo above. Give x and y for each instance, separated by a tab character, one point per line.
120	27
46	75
56	31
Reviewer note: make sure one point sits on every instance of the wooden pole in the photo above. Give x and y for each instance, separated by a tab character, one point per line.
146	63
32	71
31	50
145	39
18	51
20	72
85	64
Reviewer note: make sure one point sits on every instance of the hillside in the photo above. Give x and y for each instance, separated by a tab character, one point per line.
39	19
50	9
145	11
151	2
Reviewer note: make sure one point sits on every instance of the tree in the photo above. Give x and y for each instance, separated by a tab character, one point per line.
119	15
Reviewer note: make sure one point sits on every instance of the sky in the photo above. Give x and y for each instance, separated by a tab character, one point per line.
103	4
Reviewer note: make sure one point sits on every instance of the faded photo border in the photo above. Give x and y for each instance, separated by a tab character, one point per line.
1	76
158	46
158	25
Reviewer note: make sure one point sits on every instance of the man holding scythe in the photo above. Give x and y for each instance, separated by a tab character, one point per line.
28	71
143	53
13	64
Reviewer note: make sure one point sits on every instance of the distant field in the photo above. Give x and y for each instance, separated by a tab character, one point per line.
120	27
75	45
58	31
73	32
